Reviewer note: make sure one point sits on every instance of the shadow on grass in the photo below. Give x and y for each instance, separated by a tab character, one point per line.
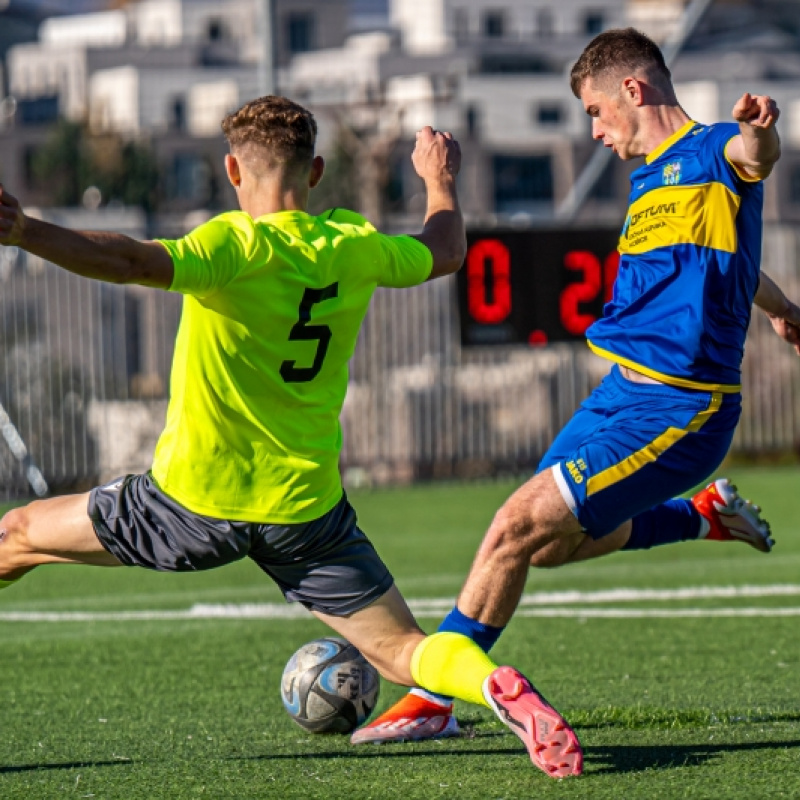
633	758
11	769
379	751
672	719
599	760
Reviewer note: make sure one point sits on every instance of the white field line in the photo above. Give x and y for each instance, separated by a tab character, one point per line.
662	613
539	604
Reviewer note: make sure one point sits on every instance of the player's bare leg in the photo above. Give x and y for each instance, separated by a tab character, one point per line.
580	547
53	531
532	519
385	632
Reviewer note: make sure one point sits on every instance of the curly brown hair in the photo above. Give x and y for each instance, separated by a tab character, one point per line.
616	51
282	130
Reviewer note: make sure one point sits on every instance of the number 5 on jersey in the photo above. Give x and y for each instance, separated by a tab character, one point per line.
302	331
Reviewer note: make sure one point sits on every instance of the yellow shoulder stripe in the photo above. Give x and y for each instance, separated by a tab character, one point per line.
669	141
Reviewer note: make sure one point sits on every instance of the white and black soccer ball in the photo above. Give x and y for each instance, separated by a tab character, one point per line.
329	687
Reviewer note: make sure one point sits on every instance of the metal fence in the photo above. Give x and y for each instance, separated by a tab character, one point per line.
84	371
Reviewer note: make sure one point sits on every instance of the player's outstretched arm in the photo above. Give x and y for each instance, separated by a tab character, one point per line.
103	256
758	146
782	312
437	160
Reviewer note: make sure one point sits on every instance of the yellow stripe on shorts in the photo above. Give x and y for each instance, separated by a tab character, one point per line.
648	454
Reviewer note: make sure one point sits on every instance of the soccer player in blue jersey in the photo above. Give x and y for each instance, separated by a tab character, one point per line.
662	420
247	465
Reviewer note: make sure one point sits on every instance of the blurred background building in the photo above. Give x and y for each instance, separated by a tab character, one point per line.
109	117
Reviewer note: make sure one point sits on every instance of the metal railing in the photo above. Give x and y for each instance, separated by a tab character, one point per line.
84	370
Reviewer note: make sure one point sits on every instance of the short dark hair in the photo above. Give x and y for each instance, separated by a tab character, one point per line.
616	51
277	125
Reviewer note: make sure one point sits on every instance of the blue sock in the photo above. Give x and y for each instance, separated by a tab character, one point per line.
674	521
484	636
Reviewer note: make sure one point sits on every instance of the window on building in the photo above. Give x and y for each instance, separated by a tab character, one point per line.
460	24
217	30
177	116
522	181
395	188
514	64
472	120
544	22
593	23
549	113
494	24
300	33
190	178
794	185
37	111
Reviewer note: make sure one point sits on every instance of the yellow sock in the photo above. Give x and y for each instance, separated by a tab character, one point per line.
453	665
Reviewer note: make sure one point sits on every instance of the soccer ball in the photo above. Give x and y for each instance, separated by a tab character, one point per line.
329	687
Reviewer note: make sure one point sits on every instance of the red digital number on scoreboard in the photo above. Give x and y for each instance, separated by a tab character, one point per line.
489	256
594	277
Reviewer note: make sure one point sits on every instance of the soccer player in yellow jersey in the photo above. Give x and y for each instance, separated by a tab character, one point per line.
247	464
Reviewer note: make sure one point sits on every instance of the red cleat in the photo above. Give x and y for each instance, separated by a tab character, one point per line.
732	518
552	744
412	718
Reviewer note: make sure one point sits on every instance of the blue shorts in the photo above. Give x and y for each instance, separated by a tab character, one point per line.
631	446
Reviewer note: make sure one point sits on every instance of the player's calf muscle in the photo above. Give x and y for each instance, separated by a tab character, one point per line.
393	660
556	553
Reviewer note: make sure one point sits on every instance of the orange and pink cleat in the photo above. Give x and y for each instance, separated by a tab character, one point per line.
551	743
731	518
410	719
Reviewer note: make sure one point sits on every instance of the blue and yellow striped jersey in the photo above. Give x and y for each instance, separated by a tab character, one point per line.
689	264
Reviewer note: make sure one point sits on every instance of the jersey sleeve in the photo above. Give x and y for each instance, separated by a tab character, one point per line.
209	257
402	261
720	136
407	262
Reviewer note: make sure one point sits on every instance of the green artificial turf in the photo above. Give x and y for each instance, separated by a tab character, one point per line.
666	707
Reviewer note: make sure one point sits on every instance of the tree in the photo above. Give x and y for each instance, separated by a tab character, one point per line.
72	160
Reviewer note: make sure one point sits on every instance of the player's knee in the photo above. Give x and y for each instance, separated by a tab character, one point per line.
13	543
517	525
512	523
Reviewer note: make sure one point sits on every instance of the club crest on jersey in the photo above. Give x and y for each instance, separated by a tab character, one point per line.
671	176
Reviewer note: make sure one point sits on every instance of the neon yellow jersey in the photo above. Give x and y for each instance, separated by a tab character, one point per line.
271	314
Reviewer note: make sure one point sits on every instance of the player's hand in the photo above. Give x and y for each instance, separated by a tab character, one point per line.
787	326
756	110
12	220
436	155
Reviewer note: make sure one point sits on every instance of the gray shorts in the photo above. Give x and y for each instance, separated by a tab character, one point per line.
328	564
